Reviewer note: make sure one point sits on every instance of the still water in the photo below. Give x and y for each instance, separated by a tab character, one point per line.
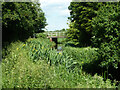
59	49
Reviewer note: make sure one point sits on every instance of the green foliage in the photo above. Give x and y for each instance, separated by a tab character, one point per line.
41	49
72	34
80	22
86	57
83	55
61	41
106	34
62	30
21	19
19	70
40	35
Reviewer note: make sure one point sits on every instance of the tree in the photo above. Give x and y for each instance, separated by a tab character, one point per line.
106	34
81	17
21	19
73	34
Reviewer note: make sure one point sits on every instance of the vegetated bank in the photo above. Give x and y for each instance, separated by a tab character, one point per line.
35	64
96	24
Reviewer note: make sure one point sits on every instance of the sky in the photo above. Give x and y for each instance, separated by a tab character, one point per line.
56	13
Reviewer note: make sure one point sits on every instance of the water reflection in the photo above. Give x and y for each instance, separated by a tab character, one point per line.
59	49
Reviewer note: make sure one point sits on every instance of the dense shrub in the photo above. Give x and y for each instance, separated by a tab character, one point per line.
106	34
86	57
41	35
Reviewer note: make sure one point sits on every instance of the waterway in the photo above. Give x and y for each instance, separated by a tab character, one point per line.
59	49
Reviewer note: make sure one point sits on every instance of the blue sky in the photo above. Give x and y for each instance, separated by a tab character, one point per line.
56	13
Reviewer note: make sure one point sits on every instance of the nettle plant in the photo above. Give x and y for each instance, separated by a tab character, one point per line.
106	34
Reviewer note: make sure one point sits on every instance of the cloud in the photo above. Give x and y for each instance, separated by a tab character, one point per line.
45	3
55	6
65	12
56	12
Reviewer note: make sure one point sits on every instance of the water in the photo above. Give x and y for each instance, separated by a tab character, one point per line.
59	49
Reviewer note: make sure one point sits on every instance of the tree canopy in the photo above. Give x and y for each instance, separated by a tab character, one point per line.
21	19
80	28
106	34
98	25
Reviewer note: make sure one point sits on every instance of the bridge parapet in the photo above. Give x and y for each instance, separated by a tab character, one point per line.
56	34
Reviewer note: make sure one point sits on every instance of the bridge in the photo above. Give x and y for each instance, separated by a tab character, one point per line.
55	35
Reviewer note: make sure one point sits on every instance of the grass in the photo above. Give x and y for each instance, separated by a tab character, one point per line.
61	40
86	57
24	73
21	68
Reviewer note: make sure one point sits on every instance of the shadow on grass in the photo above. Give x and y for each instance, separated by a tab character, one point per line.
77	46
70	44
93	68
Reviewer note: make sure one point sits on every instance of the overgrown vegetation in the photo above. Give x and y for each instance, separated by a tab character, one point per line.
98	23
33	64
107	34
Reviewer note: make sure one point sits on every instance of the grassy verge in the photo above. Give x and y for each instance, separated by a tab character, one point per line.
34	64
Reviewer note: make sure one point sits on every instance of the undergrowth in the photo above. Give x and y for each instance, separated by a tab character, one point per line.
35	64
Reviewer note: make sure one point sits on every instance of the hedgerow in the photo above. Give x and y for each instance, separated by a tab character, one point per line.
106	35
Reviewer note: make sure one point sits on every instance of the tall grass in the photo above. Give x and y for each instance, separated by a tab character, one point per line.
34	64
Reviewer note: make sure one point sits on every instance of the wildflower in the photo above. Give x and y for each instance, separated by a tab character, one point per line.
23	44
82	62
42	47
36	50
17	48
30	46
60	53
